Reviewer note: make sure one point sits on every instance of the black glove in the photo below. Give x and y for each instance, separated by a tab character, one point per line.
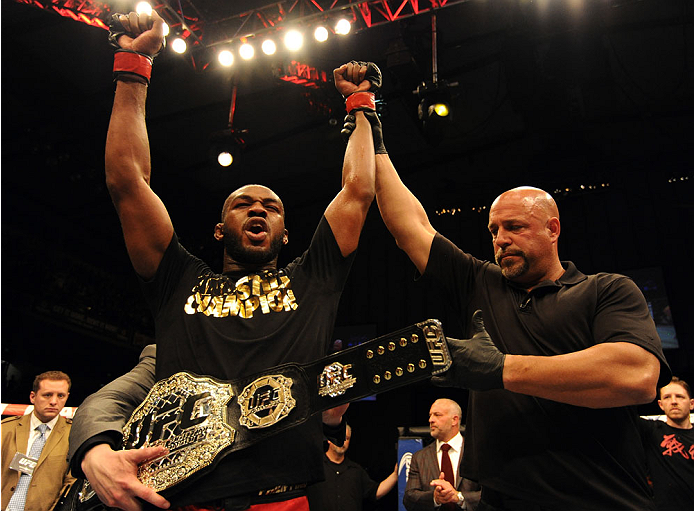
376	130
116	29
348	127
373	74
477	362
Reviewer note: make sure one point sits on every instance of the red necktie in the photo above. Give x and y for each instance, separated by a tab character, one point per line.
447	469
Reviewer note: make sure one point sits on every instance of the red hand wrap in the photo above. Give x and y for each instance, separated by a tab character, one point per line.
361	101
132	63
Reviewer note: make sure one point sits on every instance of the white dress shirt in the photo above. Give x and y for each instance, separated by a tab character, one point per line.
454	452
34	433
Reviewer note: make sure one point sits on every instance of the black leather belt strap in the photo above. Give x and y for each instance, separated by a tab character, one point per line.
201	419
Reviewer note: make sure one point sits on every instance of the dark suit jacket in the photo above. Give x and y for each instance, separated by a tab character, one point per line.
103	414
424	467
51	474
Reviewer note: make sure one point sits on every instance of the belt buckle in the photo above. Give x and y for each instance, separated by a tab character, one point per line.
187	414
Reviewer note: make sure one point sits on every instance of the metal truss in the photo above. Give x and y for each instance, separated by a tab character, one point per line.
206	24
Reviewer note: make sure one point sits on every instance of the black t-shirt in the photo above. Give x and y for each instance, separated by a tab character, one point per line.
347	487
556	455
670	456
234	325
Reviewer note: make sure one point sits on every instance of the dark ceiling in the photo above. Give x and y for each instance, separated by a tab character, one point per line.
556	94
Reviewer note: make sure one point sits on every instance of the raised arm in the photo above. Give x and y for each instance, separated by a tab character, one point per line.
145	222
403	214
347	212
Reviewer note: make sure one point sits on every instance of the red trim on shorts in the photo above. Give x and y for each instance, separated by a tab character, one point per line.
297	504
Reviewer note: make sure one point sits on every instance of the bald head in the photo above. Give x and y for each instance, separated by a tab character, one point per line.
535	201
524	224
444	419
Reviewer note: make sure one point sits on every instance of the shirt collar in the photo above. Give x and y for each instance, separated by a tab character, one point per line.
35	422
570	276
456	443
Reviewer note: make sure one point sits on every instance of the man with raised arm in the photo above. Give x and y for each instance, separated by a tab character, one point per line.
556	374
229	325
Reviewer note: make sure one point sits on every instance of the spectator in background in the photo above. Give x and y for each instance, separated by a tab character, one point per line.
347	486
434	480
34	448
669	448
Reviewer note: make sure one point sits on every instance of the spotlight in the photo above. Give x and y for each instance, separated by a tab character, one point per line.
434	109
321	34
246	51
226	58
293	40
143	8
225	159
166	30
269	47
226	146
179	45
343	27
440	109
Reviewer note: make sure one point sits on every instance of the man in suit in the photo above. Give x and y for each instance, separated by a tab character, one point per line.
43	436
428	486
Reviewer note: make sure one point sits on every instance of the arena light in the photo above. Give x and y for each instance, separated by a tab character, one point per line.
321	34
246	51
226	146
179	45
434	109
269	47
166	30
226	58
441	109
143	8
293	40
225	159
343	26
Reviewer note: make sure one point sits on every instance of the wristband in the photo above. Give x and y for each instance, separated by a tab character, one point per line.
361	101
132	63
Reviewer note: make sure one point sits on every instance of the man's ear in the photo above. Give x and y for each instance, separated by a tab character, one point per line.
285	238
660	404
554	227
32	396
219	231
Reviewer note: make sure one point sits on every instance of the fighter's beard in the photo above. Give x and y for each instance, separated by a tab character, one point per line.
251	255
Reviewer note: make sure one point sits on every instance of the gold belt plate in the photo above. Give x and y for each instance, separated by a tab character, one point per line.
187	414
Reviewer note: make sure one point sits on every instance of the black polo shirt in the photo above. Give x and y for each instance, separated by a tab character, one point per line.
347	487
556	455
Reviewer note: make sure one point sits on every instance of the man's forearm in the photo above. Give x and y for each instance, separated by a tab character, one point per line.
387	484
402	213
127	144
603	376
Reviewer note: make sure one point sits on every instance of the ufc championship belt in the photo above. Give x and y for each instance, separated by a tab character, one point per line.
201	419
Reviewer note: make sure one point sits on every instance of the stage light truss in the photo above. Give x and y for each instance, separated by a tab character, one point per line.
198	21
